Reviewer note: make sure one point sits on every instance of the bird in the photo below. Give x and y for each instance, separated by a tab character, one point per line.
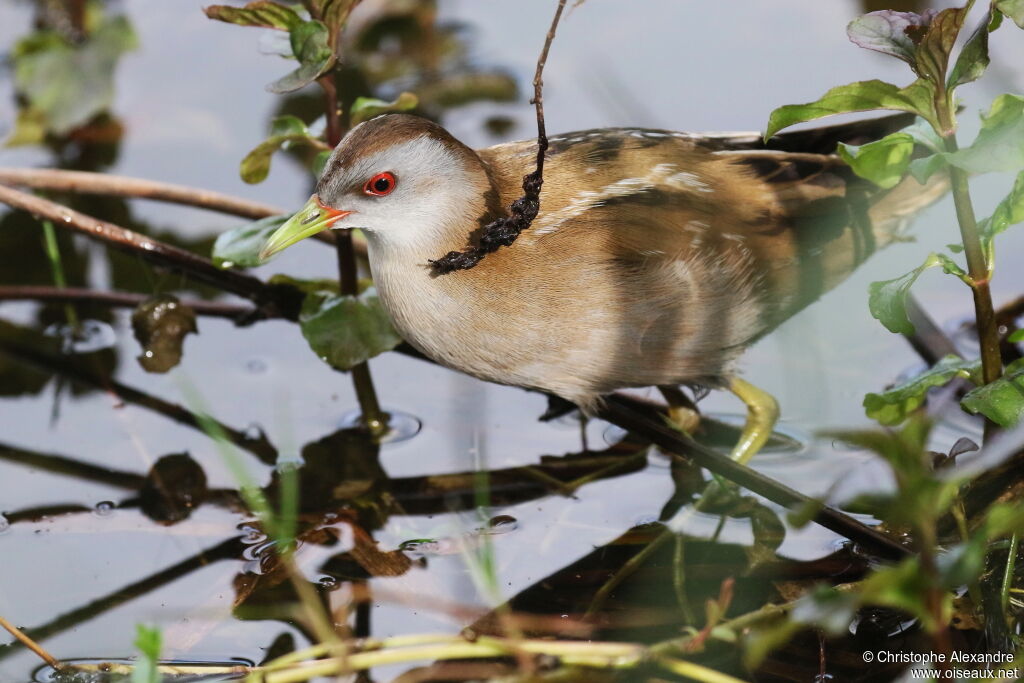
656	258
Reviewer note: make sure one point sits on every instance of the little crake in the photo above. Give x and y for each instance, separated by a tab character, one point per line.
656	259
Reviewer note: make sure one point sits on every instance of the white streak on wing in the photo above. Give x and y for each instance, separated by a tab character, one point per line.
688	180
661	174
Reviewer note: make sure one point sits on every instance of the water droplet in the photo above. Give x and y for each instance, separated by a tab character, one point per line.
328	583
66	218
5	525
256	366
104	508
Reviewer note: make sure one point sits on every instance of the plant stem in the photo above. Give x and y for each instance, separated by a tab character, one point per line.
978	268
1011	562
977	265
57	268
374	419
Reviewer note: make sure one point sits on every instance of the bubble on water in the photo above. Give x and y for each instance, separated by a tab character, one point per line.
104	508
86	337
502	524
5	524
256	366
328	583
424	546
401	426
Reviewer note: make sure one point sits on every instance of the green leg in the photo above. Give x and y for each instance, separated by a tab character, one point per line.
682	413
762	414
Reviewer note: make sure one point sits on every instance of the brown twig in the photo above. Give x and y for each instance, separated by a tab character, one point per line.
30	644
216	309
621	411
84	182
503	231
273	300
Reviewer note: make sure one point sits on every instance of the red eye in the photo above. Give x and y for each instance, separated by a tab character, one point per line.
380	185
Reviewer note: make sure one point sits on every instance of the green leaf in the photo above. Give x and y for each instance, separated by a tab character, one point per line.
905	586
965	562
311	46
887	299
931	58
883	162
950	267
892	406
1016	336
1001	401
1000	143
826	607
321	286
262	13
334	13
29	128
859	96
344	331
240	247
1008	212
284	132
71	84
1014	9
889	32
320	162
924	168
367	107
149	642
974	59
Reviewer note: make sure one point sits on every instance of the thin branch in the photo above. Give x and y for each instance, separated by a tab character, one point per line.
216	309
274	300
503	231
621	411
84	182
30	644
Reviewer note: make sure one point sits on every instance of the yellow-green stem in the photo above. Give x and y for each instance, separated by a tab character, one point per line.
57	268
978	267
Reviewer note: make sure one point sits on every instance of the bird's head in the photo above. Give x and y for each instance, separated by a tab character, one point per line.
401	178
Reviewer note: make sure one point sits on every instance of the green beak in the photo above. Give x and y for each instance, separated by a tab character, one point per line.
314	217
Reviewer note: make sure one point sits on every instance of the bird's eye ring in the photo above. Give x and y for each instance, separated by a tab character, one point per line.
380	185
